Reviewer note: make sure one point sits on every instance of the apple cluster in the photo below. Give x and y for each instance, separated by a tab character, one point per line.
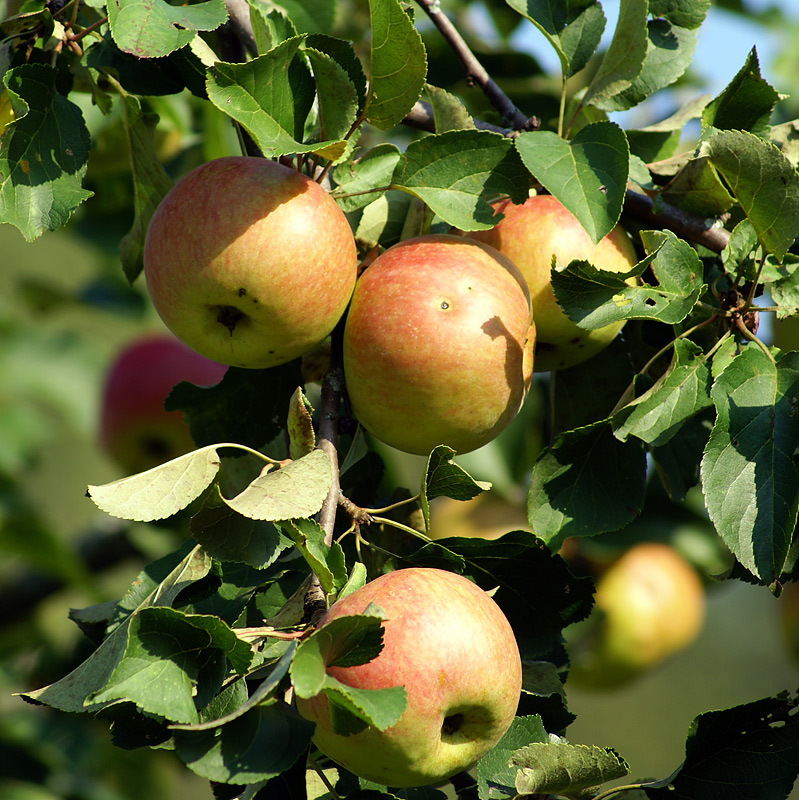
253	264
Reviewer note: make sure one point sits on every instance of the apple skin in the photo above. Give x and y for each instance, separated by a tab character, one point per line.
529	235
650	604
438	344
449	644
249	262
135	430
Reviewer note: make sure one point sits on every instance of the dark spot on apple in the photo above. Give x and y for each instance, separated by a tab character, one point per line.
451	724
576	340
241	292
229	316
444	304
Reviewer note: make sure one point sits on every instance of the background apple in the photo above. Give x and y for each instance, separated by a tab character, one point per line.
135	430
249	262
438	344
649	605
529	235
487	516
449	644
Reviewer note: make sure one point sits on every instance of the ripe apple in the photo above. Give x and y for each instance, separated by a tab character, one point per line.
486	516
438	344
650	604
249	262
449	644
135	430
530	235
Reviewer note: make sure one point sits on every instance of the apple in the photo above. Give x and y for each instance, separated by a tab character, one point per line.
650	604
485	516
135	430
249	262
449	644
438	344
530	235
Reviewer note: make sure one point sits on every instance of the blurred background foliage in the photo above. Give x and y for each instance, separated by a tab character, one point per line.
66	310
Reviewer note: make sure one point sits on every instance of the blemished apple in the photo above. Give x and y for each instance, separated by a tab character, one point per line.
529	235
135	430
449	644
650	604
249	262
438	344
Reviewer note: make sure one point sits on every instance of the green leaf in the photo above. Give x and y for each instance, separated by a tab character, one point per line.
228	536
344	642
624	58
670	52
40	184
311	16
563	768
160	492
587	483
71	691
343	53
749	475
336	95
257	746
749	751
299	427
270	26
150	183
398	64
458	172
588	174
449	112
763	181
593	298
380	708
215	715
533	586
296	490
247	406
681	392
573	28
444	478
745	104
685	13
153	28
327	562
372	171
698	189
271	97
382	221
159	668
495	773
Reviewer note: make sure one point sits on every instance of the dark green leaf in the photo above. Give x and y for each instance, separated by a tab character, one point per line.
534	586
682	391
763	181
327	562
449	112
445	478
40	182
750	752
361	177
456	173
257	746
380	708
336	94
229	536
749	475
588	174
574	28
745	104
247	406
399	64
343	53
152	28
587	483
698	189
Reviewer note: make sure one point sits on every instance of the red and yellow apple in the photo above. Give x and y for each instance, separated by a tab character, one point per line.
449	644
650	604
530	235
249	262
438	344
135	430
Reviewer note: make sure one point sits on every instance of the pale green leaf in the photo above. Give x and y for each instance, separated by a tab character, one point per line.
160	492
